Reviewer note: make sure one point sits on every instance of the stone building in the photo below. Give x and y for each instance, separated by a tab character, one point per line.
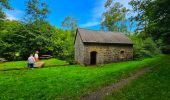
99	47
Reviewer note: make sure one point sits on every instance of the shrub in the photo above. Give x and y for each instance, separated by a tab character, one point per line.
144	48
25	39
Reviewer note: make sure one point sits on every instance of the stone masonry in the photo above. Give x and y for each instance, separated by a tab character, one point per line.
104	52
108	53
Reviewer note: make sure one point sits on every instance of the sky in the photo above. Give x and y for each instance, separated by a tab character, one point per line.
87	12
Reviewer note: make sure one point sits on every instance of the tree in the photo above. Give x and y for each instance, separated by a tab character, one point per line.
143	48
153	18
36	11
8	49
114	19
4	4
139	7
20	39
70	23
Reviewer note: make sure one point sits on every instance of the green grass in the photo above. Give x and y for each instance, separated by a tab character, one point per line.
23	64
12	64
54	61
68	82
154	85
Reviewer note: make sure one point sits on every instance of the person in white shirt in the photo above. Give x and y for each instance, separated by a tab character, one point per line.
31	61
36	56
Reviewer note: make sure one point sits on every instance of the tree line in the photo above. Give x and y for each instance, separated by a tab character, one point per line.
147	24
19	39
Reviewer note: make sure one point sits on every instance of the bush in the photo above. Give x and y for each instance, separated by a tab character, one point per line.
166	49
144	48
18	42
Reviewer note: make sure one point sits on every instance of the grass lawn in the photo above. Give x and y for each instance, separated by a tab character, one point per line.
154	85
68	82
23	64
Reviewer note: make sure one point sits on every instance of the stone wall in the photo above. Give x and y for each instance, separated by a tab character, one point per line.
108	53
79	50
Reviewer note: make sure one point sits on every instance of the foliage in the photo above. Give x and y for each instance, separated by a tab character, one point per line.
21	40
153	18
144	47
63	45
152	86
36	11
4	4
8	49
114	19
70	82
70	23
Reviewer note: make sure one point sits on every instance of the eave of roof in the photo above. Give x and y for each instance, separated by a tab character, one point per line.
96	36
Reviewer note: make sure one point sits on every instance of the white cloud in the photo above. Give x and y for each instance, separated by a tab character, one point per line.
90	24
96	15
14	14
98	10
10	16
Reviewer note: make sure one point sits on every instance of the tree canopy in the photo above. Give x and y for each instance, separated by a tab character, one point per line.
114	18
153	18
36	10
19	39
4	4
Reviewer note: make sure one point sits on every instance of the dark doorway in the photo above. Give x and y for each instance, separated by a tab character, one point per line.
93	56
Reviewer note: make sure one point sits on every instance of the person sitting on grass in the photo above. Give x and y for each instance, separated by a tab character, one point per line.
31	61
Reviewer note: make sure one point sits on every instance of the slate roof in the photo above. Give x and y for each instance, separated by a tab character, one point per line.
96	36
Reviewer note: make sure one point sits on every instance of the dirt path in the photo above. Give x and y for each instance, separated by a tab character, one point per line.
98	95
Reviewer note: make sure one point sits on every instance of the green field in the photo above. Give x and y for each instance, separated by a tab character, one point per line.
67	82
154	85
23	64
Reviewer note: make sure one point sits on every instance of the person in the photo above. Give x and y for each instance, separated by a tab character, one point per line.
36	56
31	61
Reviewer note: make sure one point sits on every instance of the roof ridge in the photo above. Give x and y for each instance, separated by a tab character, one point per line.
90	29
101	30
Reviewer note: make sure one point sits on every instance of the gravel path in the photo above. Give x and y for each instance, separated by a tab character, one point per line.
98	95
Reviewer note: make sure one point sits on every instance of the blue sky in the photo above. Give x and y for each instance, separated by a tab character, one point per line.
88	12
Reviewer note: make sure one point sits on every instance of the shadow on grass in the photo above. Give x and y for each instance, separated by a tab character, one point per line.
26	68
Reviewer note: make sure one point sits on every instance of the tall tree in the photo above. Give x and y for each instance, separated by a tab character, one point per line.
153	17
36	10
114	19
4	4
70	23
139	7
